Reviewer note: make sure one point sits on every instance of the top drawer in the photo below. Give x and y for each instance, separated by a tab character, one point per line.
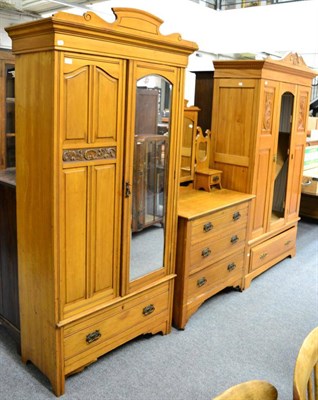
212	224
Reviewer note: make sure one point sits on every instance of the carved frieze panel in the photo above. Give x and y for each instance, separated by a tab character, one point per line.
100	153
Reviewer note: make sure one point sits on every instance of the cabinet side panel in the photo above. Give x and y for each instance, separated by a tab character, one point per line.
35	211
75	231
103	228
233	131
235	121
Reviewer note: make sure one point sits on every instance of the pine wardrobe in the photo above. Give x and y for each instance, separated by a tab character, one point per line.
259	127
87	281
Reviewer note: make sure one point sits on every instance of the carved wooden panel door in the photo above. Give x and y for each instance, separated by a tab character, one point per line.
91	126
265	156
298	143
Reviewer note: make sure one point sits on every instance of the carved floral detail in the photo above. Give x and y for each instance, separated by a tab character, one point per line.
302	113
89	154
268	111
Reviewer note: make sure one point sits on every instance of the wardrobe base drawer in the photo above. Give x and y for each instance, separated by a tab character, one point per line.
94	335
272	248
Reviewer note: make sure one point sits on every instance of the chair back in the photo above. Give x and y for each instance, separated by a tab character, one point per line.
306	369
251	390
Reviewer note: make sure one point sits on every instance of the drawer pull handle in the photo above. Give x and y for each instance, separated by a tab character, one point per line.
288	242
202	281
207	227
231	266
236	216
148	309
234	239
206	252
91	337
262	256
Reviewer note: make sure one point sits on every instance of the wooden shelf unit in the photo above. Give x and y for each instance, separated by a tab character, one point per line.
7	109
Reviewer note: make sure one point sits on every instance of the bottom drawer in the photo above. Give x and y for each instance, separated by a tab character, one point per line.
227	270
272	248
93	333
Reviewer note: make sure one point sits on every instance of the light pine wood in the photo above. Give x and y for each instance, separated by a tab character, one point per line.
305	383
248	142
76	99
251	390
211	247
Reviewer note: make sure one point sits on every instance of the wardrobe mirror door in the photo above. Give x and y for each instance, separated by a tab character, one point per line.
282	157
150	168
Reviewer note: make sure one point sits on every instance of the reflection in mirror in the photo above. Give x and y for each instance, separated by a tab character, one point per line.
282	156
202	151
187	144
150	167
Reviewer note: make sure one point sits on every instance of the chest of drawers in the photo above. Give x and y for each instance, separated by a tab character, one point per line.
211	247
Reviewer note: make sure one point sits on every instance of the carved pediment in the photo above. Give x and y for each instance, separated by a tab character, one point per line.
128	20
292	61
131	27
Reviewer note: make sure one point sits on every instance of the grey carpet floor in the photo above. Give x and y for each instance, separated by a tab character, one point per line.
232	338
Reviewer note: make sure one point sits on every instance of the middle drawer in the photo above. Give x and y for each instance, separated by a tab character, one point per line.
212	250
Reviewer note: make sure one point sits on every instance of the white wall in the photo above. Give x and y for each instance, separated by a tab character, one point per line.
271	29
7	19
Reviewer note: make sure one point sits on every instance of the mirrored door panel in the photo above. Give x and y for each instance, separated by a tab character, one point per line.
149	181
187	149
282	157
